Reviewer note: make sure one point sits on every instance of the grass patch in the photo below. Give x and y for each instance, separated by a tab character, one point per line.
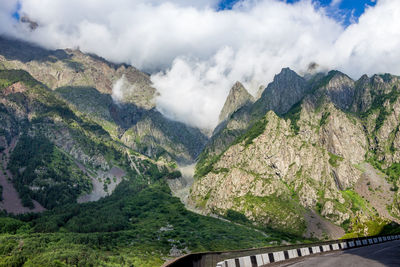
294	115
324	118
334	159
357	202
283	214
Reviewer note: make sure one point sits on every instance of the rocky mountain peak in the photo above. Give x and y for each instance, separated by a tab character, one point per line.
285	74
339	88
339	76
282	93
383	82
364	78
237	98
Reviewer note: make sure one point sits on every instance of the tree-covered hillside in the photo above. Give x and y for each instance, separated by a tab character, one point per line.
136	226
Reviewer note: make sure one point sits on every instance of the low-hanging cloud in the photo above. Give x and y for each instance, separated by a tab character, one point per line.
121	88
195	53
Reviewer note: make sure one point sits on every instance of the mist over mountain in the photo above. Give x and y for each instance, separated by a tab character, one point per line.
196	52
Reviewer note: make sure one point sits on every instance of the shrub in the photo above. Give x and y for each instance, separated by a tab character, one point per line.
10	225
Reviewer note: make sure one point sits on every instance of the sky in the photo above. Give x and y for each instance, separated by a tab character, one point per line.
345	11
195	50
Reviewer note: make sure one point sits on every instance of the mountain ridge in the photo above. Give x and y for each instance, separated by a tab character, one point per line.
330	145
69	72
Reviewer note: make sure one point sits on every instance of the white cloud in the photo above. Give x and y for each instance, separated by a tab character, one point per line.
372	45
119	89
7	7
199	89
200	52
335	3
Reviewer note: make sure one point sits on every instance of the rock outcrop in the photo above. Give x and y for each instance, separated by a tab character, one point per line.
237	98
281	94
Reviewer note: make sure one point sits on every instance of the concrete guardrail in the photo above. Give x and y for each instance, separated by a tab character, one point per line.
262	256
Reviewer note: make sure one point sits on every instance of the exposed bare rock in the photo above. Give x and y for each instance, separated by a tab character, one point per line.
104	183
339	88
237	98
282	93
73	68
155	136
369	89
311	168
343	136
18	87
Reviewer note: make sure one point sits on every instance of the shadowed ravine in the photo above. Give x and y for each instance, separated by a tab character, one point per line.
181	187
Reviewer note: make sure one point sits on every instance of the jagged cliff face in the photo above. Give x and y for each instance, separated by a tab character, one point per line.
338	88
287	89
86	83
159	137
317	158
281	94
237	98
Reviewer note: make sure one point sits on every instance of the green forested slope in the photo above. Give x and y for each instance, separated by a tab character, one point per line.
136	226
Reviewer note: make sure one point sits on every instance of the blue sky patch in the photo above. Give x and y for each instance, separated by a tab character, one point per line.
346	11
16	15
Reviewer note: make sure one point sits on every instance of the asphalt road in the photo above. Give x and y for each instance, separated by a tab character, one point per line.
385	254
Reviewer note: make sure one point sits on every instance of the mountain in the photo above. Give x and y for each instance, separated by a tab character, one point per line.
319	167
54	155
64	136
86	82
339	88
286	89
100	201
73	68
281	94
237	98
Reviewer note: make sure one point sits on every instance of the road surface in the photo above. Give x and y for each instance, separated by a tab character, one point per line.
385	254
